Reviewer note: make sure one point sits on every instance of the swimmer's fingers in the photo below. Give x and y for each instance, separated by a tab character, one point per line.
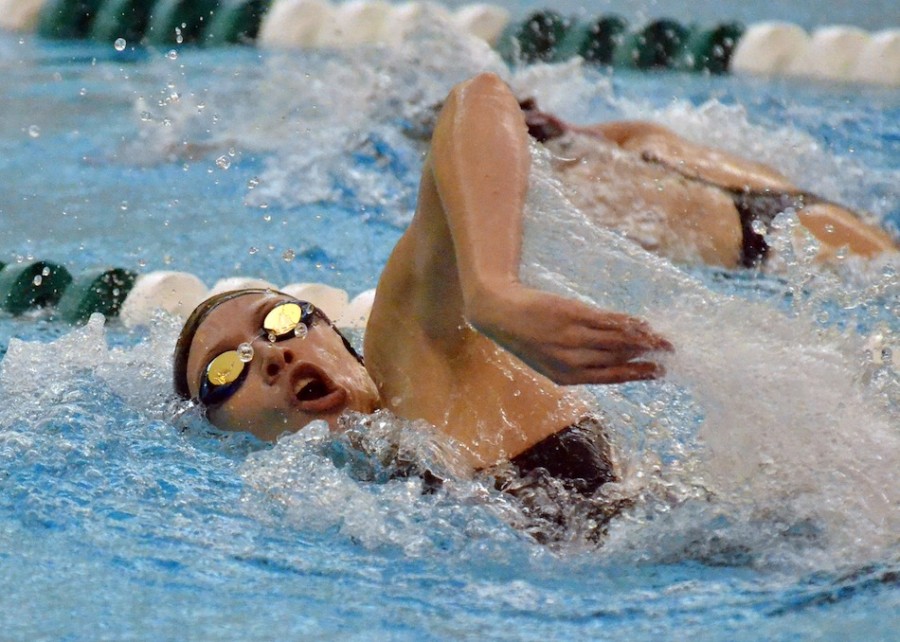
628	342
631	371
615	329
566	340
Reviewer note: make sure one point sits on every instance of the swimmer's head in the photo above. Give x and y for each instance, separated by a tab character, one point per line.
264	362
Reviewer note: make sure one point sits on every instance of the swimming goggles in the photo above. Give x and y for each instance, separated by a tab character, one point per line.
225	374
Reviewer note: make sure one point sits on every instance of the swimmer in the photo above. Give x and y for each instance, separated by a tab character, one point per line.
686	201
453	338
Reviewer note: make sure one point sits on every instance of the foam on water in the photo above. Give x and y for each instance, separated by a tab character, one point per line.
796	447
772	442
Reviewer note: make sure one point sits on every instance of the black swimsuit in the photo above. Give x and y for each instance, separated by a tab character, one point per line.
578	456
556	481
753	206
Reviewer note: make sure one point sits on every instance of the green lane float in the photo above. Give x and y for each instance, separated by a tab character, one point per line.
100	290
656	46
236	22
179	21
536	39
710	50
67	18
32	285
601	38
127	19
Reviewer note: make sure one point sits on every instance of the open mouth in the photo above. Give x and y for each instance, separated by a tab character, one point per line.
315	391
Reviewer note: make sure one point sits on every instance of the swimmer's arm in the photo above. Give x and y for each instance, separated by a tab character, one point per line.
481	161
658	144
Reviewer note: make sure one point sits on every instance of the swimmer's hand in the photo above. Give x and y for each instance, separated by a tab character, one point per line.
566	340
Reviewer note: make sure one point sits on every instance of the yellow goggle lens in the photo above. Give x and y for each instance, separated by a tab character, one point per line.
283	319
225	368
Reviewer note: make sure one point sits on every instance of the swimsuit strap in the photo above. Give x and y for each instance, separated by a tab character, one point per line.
753	206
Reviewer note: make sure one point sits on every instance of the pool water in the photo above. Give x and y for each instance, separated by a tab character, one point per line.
765	463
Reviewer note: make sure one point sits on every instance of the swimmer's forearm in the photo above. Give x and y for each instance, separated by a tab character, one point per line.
481	163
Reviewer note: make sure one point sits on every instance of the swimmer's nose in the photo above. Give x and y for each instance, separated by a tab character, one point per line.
274	360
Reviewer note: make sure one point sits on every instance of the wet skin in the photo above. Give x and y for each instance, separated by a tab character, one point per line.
290	383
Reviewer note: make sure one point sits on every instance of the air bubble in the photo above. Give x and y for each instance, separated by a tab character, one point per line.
120	44
245	352
758	227
172	55
37	280
272	337
34	131
288	255
253	250
223	162
45	271
252	183
301	330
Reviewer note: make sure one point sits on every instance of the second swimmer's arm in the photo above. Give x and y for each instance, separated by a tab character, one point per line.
481	161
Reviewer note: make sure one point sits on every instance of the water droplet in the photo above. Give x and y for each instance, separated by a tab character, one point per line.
37	280
223	162
301	330
245	352
288	255
34	131
253	250
172	55
120	44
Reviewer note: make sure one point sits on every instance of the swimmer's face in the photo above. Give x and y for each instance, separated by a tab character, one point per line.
288	383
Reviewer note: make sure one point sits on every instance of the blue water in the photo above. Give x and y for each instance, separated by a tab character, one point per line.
120	519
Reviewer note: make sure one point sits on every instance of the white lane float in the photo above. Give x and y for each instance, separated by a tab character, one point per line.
293	23
239	283
333	301
20	15
831	53
485	21
403	19
356	314
768	48
879	61
318	23
354	23
176	293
